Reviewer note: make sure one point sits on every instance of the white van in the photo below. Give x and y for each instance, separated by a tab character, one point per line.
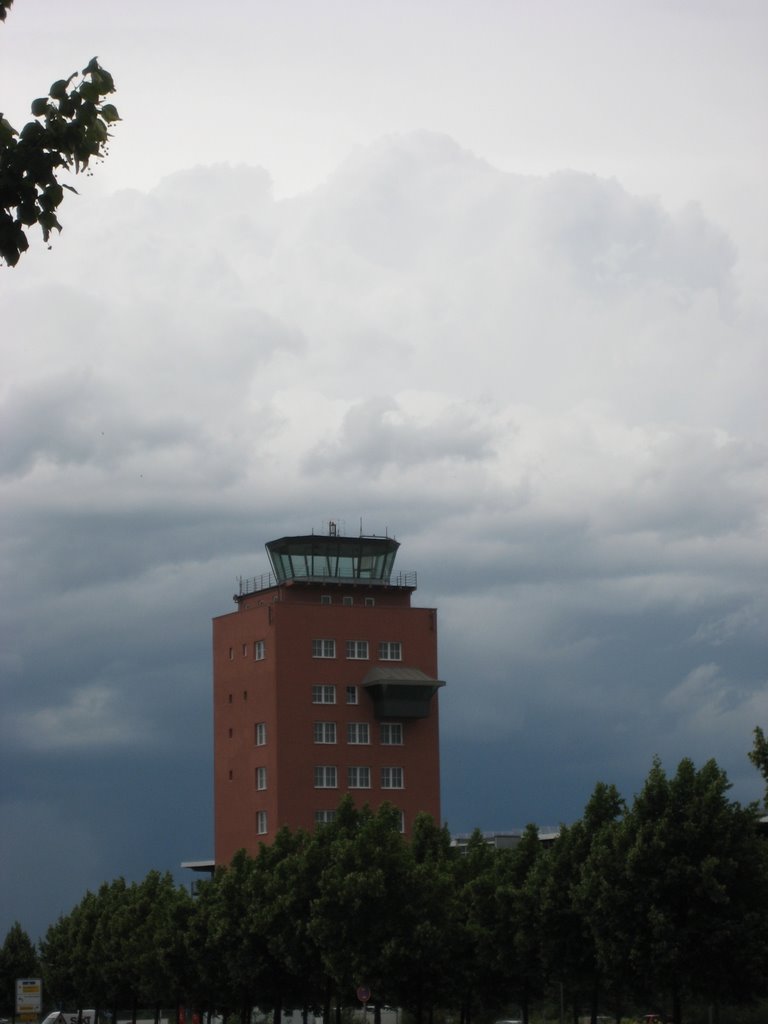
71	1017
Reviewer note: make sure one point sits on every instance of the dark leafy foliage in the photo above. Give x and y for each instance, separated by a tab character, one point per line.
18	959
758	755
69	131
663	903
676	893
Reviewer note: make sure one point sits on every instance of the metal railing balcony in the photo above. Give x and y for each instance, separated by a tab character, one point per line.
267	580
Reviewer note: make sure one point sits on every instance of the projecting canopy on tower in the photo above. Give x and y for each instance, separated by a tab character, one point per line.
401	692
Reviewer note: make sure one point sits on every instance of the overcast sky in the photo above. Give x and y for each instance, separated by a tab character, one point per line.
489	276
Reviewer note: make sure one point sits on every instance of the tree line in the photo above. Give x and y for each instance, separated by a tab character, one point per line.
657	905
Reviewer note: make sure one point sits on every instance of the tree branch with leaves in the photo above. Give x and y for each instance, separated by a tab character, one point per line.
70	129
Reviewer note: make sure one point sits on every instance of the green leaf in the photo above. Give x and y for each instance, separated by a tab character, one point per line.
109	113
107	82
31	131
39	106
7	131
100	131
48	222
89	91
59	89
51	197
28	213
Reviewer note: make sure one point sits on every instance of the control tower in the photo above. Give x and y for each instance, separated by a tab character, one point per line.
325	684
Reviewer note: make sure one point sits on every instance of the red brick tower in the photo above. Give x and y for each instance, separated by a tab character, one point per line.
324	683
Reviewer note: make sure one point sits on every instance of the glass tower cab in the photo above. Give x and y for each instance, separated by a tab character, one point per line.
319	559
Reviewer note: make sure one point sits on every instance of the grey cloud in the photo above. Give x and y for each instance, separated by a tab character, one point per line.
692	483
88	720
747	620
388	202
247	188
703	687
495	368
378	432
77	419
409	199
612	238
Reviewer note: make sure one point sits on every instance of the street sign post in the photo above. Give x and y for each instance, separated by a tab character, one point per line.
29	998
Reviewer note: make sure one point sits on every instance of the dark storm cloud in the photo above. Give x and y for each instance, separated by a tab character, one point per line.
72	419
544	386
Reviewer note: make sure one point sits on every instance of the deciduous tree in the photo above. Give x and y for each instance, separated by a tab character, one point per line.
568	941
18	959
425	965
359	916
680	891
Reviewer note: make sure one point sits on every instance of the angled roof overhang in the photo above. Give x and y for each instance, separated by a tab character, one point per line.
401	692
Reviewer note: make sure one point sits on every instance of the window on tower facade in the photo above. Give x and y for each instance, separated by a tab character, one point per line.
370	602
324	732
358	732
324	817
359	778
326	599
322	693
260	731
391	734
357	649
326	776
323	648
258	650
347	600
261	778
390	650
352	695
261	823
391	778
